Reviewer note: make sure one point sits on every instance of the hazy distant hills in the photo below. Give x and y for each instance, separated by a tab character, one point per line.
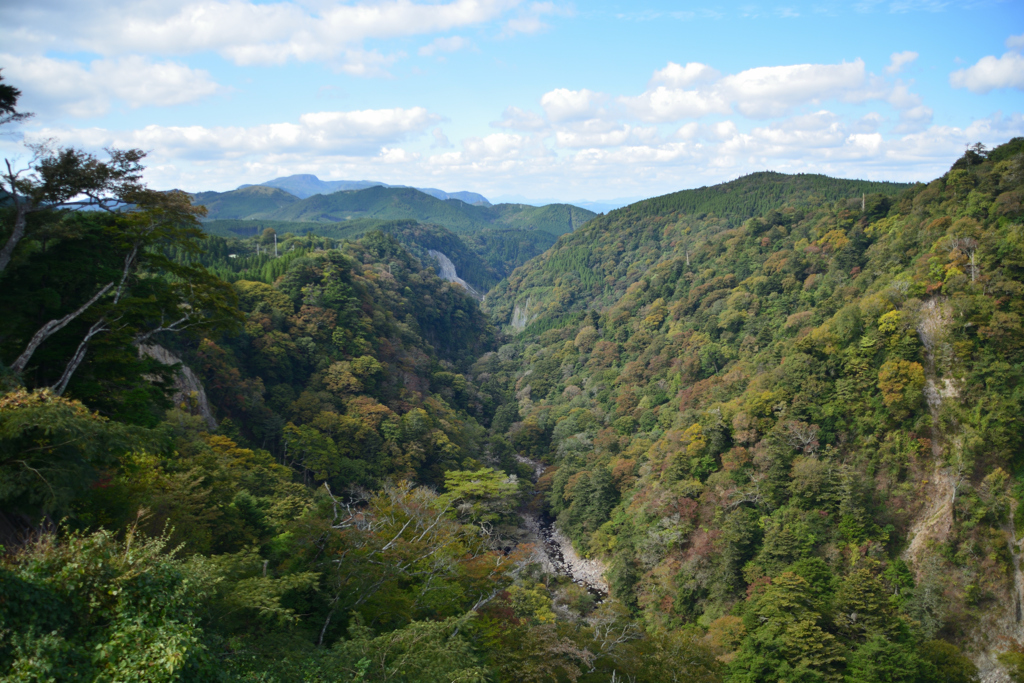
260	202
305	185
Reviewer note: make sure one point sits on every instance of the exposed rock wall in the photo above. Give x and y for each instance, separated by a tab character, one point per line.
1003	626
188	389
520	315
448	273
936	518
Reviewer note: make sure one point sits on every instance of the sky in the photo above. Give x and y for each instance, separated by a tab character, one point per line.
536	101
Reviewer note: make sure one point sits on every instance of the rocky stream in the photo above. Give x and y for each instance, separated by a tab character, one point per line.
555	551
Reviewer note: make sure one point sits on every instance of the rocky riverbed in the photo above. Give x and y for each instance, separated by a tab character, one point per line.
557	556
555	551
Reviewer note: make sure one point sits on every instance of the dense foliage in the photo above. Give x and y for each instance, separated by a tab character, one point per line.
482	258
800	431
785	413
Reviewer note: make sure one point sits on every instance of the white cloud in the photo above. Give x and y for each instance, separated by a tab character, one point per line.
914	119
340	133
772	90
563	104
242	31
527	24
898	60
762	92
397	155
991	73
440	139
452	44
677	76
515	118
494	146
614	137
359	62
723	130
88	90
901	97
688	131
869	123
670	104
529	19
1015	42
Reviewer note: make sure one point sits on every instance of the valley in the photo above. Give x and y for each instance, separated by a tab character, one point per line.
764	430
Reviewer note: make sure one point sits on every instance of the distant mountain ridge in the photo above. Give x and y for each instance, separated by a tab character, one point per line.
304	185
247	201
261	202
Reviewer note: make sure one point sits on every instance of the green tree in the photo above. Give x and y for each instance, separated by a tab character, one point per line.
485	496
9	96
421	652
950	665
880	660
94	608
52	450
786	641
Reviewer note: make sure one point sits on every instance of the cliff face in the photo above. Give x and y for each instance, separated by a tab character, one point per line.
448	273
188	390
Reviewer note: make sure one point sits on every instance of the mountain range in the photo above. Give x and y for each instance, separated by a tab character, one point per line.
305	185
262	202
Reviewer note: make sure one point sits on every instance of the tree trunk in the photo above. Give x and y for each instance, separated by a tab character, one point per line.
52	327
12	241
76	360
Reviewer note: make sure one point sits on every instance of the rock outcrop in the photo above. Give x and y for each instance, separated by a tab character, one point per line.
188	390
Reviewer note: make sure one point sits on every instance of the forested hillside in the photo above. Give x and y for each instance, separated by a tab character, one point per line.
800	432
483	257
259	202
237	250
783	412
255	201
492	240
184	539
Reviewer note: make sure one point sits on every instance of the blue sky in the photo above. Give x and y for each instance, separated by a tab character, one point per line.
541	100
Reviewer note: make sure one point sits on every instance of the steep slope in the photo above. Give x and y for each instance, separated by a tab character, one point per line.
555	219
584	266
786	411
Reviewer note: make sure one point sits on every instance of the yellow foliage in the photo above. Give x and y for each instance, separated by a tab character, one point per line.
836	240
900	381
891	322
695	441
531	604
340	379
252	293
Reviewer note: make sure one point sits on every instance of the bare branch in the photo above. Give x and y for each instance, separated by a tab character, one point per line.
19	217
52	327
76	360
176	326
